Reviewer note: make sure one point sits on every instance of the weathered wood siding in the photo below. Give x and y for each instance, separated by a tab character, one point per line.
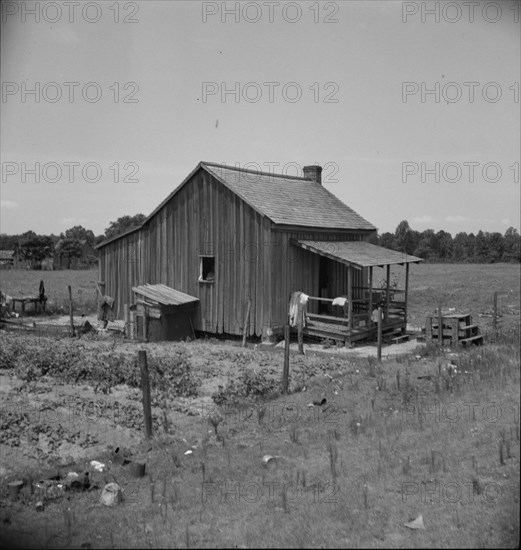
253	259
203	218
293	268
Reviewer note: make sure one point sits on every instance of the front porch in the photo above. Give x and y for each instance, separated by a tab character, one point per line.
357	319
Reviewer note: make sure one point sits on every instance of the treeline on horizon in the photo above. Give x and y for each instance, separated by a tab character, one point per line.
441	247
435	247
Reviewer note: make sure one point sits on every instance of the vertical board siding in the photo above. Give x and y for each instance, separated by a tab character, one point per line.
253	259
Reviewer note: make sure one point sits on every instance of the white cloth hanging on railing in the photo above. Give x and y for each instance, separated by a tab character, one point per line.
340	301
298	308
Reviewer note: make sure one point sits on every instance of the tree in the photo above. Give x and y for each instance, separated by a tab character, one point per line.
387	240
123	224
80	233
480	248
512	245
403	239
69	248
460	248
444	245
35	248
427	246
495	246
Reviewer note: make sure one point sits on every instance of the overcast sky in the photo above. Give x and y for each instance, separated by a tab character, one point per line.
143	91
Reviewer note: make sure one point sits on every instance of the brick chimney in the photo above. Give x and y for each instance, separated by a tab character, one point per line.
313	173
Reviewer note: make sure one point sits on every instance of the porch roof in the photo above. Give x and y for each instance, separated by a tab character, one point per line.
358	253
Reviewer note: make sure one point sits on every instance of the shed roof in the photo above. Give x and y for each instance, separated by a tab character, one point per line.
358	253
164	295
288	200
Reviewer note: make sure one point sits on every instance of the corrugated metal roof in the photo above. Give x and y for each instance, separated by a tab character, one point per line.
289	200
358	253
164	295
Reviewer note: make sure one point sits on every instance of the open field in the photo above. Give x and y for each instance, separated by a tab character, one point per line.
25	282
467	286
434	432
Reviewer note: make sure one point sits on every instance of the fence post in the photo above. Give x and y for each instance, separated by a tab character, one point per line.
440	326
145	387
495	310
285	371
300	338
73	331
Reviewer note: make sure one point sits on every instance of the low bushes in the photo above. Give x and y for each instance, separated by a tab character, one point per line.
251	384
72	361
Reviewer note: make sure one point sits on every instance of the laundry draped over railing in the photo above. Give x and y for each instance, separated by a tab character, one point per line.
298	304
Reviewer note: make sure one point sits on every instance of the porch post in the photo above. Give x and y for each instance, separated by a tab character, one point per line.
387	292
369	315
406	290
349	299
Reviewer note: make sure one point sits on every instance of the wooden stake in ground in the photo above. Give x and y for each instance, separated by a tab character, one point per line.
495	310
440	325
145	387
73	330
285	371
245	328
379	334
300	338
300	325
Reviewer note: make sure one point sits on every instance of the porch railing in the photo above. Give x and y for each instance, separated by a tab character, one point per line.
355	320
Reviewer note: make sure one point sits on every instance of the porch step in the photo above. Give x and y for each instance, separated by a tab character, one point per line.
468	327
401	338
323	334
478	340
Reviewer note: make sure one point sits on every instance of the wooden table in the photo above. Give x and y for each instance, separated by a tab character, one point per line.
29	300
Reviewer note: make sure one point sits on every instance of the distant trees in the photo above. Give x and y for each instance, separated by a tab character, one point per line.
123	224
79	233
34	248
484	247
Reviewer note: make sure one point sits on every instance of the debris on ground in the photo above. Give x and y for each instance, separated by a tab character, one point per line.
416	523
111	494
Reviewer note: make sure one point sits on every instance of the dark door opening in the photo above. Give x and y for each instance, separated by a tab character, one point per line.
323	283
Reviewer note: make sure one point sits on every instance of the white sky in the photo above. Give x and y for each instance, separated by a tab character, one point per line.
362	140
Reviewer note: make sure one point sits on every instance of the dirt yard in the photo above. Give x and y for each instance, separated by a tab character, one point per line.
359	461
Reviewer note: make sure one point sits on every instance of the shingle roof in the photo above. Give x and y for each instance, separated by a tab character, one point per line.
358	253
164	295
289	200
285	200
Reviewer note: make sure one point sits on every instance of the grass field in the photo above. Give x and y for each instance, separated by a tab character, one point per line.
466	286
435	433
25	282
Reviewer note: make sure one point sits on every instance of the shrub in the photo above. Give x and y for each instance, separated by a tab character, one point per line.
173	374
10	349
251	384
71	361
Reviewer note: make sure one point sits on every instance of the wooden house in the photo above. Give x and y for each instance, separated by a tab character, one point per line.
73	254
228	237
6	258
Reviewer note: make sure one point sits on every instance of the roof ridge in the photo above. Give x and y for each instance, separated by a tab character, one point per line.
257	172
